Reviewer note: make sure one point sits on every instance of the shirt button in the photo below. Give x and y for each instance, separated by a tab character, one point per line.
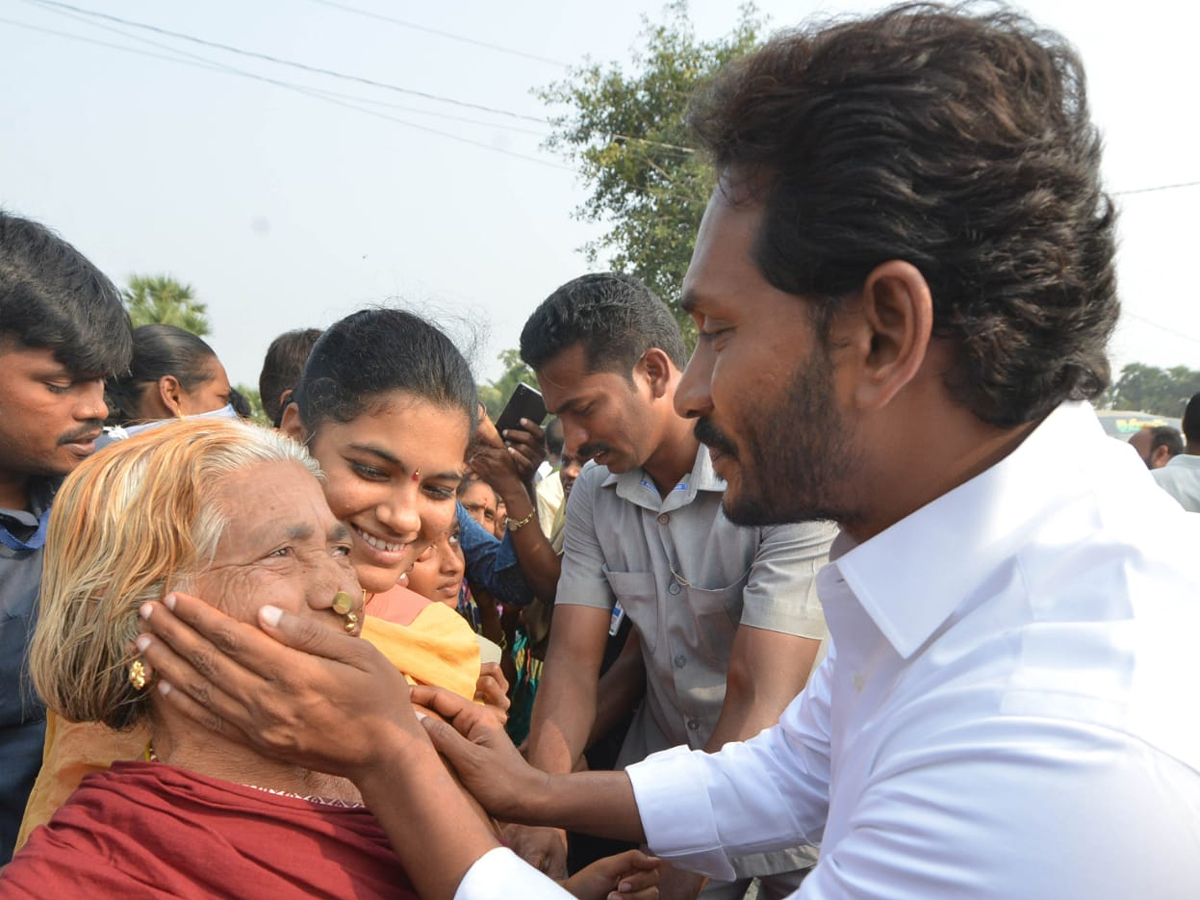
663	519
674	588
680	661
693	724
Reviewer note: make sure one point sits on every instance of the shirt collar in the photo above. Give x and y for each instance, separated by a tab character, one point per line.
911	577
639	488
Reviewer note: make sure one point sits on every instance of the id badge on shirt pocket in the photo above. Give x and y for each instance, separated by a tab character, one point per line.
634	593
614	623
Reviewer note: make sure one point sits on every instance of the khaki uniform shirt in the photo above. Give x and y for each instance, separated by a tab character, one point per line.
687	578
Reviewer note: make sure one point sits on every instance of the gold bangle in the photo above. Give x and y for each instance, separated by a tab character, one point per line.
521	523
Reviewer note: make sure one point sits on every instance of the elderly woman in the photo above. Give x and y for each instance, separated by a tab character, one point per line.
235	514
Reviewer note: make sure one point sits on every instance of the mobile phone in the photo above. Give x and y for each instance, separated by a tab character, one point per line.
525	403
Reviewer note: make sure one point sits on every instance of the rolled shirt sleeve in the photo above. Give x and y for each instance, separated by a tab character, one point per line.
701	810
501	875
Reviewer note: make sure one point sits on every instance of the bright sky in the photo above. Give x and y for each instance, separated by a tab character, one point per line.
285	210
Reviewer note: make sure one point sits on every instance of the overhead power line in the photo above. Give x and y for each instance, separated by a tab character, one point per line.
1174	332
446	34
205	62
1159	187
318	70
315	93
68	9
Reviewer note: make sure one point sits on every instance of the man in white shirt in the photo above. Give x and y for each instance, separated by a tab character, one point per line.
904	287
1180	477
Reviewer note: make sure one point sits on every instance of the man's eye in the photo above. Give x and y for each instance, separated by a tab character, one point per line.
57	388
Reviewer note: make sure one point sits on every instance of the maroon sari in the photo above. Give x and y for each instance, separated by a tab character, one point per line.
152	830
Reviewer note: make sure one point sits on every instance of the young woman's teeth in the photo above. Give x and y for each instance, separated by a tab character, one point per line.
376	543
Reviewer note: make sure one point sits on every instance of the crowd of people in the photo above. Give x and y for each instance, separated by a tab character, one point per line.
859	601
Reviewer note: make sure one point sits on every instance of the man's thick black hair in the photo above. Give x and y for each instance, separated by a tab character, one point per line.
1166	436
614	317
282	367
52	297
957	142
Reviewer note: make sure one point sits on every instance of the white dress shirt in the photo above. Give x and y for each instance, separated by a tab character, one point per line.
1008	712
1180	478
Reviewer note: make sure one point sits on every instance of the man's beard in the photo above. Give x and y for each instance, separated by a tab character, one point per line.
794	456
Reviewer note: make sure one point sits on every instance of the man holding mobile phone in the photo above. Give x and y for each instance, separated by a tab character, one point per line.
727	616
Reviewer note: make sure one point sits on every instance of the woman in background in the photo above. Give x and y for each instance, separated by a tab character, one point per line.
172	374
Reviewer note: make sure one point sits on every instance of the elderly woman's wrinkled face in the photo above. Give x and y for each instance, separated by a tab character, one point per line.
283	546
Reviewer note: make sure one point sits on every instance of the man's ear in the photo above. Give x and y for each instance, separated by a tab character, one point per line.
657	367
170	394
1159	456
894	323
291	425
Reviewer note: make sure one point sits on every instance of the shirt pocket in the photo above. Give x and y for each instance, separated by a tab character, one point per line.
717	614
638	596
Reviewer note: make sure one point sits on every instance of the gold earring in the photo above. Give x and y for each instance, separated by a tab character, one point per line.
137	674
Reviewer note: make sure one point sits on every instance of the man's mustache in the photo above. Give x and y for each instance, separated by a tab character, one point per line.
588	451
83	434
707	433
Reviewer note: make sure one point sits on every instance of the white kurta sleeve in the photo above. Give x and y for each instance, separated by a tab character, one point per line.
769	793
501	875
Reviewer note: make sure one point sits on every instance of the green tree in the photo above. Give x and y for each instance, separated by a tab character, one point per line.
626	132
1164	392
161	300
495	394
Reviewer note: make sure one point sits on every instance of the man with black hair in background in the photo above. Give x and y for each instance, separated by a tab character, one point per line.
727	618
63	328
549	489
1180	477
281	369
1157	445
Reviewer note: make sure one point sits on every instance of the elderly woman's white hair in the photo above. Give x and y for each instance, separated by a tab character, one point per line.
128	525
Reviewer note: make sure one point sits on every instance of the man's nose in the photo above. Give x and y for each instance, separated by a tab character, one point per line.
693	396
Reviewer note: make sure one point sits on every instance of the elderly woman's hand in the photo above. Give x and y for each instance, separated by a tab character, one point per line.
326	708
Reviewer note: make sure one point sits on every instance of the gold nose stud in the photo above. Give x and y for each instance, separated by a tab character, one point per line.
342	603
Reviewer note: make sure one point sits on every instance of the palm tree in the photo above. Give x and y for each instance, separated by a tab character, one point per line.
161	300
